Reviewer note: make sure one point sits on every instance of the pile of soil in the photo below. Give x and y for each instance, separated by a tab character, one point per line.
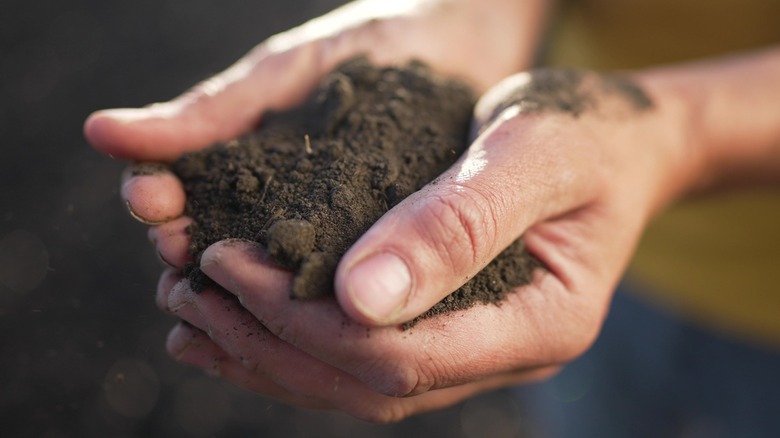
311	181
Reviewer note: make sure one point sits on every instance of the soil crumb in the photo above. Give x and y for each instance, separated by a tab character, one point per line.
309	182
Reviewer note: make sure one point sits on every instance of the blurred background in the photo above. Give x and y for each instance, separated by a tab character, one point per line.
82	344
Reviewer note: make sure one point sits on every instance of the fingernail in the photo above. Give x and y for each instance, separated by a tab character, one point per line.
138	217
164	260
379	286
152	235
214	253
147	169
181	338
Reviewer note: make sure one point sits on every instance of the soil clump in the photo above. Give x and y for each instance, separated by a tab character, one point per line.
310	181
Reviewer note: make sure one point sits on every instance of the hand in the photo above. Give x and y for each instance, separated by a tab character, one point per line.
501	34
574	162
280	72
369	373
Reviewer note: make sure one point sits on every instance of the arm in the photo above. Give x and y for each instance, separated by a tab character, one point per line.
734	117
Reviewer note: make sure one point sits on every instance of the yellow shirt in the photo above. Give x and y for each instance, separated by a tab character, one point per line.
716	259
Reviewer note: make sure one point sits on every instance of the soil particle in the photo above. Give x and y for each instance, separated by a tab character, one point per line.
311	181
290	241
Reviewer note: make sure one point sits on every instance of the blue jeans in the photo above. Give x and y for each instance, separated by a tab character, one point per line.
651	374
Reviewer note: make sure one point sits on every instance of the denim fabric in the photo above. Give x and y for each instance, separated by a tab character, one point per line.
651	374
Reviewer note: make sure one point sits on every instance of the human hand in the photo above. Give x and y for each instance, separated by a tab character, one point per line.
575	162
281	72
224	339
501	34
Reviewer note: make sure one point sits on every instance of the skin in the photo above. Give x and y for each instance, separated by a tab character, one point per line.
579	185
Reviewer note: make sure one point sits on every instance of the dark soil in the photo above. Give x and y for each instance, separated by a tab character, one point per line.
311	181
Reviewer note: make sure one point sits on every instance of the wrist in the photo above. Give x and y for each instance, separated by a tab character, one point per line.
678	134
727	119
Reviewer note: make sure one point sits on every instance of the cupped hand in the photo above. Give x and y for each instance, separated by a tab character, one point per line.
575	162
280	72
376	374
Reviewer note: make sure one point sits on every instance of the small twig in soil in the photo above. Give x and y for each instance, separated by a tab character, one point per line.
265	189
309	151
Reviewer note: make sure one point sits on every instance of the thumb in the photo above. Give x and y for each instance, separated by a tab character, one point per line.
441	236
218	109
276	75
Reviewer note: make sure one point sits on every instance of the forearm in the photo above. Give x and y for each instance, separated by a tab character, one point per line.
742	120
729	110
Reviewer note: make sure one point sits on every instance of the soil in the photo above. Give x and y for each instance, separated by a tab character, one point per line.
309	182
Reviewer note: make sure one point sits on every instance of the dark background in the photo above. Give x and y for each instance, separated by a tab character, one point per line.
82	344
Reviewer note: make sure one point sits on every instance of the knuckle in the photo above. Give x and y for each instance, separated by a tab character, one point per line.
250	363
542	374
462	226
397	381
384	413
278	326
208	88
589	329
373	35
404	378
378	29
586	323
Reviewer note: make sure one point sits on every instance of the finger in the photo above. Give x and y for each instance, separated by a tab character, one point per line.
511	178
275	75
536	326
269	359
236	373
188	344
217	109
181	303
172	241
259	357
153	194
247	361
168	280
191	346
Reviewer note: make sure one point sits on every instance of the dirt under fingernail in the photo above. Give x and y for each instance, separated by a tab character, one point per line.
148	168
